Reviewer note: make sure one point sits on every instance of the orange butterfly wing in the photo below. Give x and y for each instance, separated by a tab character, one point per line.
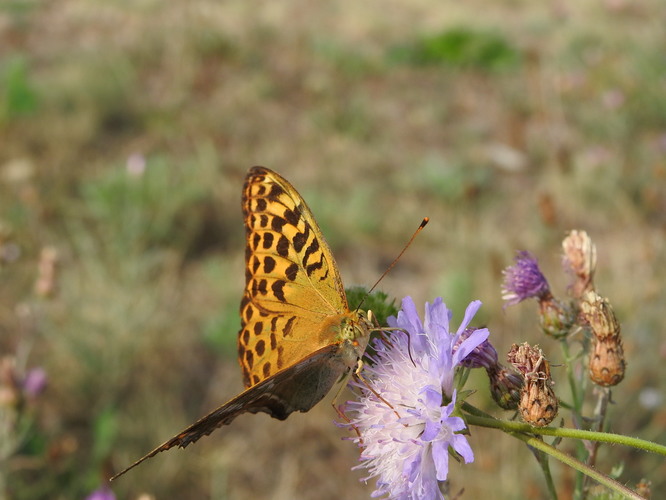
297	335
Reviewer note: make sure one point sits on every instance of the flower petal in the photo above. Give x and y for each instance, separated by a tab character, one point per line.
471	310
469	344
461	445
440	455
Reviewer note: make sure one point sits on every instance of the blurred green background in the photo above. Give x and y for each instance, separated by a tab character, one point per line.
126	130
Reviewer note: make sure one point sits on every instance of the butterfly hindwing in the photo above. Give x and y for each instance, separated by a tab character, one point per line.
297	388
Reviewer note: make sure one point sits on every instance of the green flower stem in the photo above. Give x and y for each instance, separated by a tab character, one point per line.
577	390
542	458
578	465
573	386
525	433
603	437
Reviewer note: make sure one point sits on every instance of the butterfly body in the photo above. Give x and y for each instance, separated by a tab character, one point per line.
298	336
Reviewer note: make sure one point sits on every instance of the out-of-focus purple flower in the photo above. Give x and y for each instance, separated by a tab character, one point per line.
102	493
34	382
524	280
136	165
405	423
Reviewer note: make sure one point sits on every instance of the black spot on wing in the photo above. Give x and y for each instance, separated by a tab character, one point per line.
268	240
269	264
288	326
277	224
282	247
278	290
314	247
298	241
292	216
291	272
275	192
311	268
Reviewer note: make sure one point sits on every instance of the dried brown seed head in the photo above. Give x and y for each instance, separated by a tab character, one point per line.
538	404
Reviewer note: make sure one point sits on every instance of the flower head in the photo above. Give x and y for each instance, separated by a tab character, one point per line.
405	423
34	382
524	280
101	493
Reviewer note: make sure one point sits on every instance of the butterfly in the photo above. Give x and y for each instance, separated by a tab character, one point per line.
298	336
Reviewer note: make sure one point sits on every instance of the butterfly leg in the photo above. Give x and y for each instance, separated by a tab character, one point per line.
342	414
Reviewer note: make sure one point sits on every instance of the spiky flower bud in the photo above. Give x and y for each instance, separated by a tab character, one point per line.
538	404
46	283
580	256
606	365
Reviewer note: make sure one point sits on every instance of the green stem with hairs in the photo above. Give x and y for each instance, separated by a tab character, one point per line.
526	432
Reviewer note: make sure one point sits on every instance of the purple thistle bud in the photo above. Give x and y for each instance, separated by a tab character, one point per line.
524	280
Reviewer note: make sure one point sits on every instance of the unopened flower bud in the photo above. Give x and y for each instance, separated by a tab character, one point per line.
505	386
538	404
607	365
45	286
580	256
597	312
556	318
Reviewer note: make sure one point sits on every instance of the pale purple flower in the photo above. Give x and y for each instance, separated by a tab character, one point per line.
524	280
406	434
34	382
136	165
102	493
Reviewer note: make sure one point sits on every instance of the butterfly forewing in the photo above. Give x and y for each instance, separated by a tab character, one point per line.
292	282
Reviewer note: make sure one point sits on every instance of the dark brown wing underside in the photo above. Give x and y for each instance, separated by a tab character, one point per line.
296	388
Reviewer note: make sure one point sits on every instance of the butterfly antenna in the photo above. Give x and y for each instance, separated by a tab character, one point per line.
423	224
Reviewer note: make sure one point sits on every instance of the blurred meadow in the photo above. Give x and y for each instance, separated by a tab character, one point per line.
126	130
